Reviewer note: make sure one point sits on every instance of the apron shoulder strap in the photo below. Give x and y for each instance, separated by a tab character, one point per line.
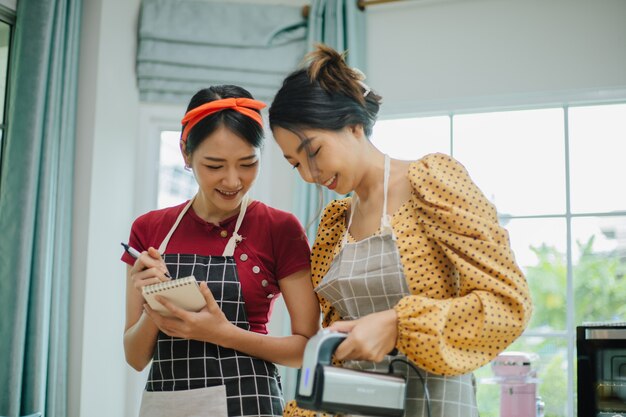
232	242
165	241
229	250
385	221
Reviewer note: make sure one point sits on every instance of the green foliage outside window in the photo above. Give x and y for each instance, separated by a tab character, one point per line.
599	294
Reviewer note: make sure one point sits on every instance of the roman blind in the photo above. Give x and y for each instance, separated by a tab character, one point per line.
186	45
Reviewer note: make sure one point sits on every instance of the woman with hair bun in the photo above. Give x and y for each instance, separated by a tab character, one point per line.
413	265
219	361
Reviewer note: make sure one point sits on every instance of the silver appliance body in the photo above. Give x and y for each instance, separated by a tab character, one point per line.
322	387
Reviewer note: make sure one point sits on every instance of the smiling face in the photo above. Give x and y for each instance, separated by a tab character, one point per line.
324	157
225	167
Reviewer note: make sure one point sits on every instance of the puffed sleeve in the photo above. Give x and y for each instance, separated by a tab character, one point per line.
329	232
457	335
292	410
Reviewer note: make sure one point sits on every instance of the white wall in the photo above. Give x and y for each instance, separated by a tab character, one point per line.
431	56
107	129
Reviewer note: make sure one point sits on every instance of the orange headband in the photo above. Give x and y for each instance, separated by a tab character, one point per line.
244	106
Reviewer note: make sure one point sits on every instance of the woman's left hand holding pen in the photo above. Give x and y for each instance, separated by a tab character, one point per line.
149	268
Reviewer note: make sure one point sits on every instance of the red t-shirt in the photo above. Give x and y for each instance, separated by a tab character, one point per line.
274	246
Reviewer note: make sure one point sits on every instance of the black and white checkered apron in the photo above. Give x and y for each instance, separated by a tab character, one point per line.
367	277
193	378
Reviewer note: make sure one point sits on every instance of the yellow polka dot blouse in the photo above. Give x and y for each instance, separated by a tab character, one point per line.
469	299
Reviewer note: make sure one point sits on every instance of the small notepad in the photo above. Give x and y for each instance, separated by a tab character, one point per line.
183	292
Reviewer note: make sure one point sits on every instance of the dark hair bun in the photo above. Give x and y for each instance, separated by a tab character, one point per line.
324	94
329	68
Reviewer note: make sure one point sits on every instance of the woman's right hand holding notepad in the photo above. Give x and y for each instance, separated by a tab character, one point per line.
149	268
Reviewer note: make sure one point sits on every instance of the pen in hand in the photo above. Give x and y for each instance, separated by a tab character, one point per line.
135	254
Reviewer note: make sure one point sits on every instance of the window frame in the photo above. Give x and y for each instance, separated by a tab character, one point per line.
6	16
153	119
568	335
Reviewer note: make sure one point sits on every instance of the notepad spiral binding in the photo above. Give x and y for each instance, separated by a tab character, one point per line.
161	286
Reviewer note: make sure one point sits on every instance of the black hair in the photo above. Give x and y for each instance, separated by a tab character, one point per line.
327	94
240	124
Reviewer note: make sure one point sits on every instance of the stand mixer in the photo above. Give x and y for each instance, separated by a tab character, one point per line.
518	385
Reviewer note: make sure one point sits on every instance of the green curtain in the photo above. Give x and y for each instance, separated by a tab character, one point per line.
341	25
36	207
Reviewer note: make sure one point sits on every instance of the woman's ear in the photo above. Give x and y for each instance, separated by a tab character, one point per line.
357	131
183	152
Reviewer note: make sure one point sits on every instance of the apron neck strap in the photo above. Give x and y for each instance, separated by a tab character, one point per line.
163	245
232	242
385	221
229	250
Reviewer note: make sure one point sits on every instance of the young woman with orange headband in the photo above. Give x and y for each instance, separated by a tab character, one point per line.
415	261
219	361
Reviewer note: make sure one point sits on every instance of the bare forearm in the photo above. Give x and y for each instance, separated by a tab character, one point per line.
211	325
287	350
139	341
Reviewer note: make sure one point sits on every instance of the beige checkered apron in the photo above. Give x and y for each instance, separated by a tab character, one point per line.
368	277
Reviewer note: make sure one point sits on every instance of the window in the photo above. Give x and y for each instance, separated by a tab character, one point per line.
407	138
175	183
7	18
556	178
